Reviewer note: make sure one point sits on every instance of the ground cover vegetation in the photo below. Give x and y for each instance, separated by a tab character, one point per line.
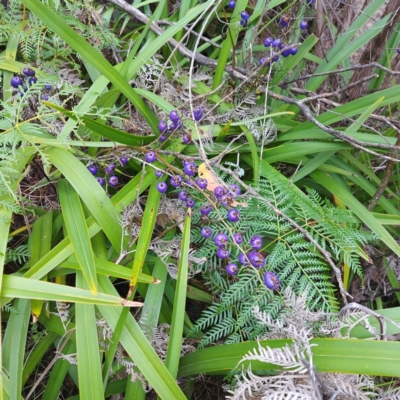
199	199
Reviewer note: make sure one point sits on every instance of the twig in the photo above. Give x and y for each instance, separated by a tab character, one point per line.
313	374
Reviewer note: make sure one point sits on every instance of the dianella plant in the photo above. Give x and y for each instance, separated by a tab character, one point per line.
199	199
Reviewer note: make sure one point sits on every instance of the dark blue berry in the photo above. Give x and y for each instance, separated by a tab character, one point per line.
113	180
190	202
243	22
176	181
198	113
245	15
206	209
186	138
226	200
162	126
231	269
16	81
150	157
257	260
47	87
110	168
190	168
284	21
32	80
123	160
221	239
293	51
158	173
222	253
206	232
276	43
201	183
102	181
233	215
303	24
162	138
45	97
232	4
272	281
174	116
285	53
28	72
92	169
243	259
235	189
256	242
162	187
238	237
219	191
183	195
268	42
275	58
262	61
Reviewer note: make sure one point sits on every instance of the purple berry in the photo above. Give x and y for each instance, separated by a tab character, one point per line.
28	72
190	168
276	43
32	80
158	173
16	81
235	189
45	97
285	53
272	281
303	24
173	127
256	242
198	113
232	4
206	232
110	168
245	15
238	237
243	22
257	260
231	269
268	41
162	126
222	253
201	183
123	160
284	21
174	116
102	181
233	215
186	138
92	169
275	57
293	51
206	209
221	239
262	61
190	202
113	180
150	157
243	259
176	181
226	200
310	2
162	138
398	50
162	187
219	191
47	87
183	195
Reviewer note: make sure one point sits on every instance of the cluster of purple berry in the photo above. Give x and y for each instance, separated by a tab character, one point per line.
277	44
177	124
30	79
244	18
110	171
